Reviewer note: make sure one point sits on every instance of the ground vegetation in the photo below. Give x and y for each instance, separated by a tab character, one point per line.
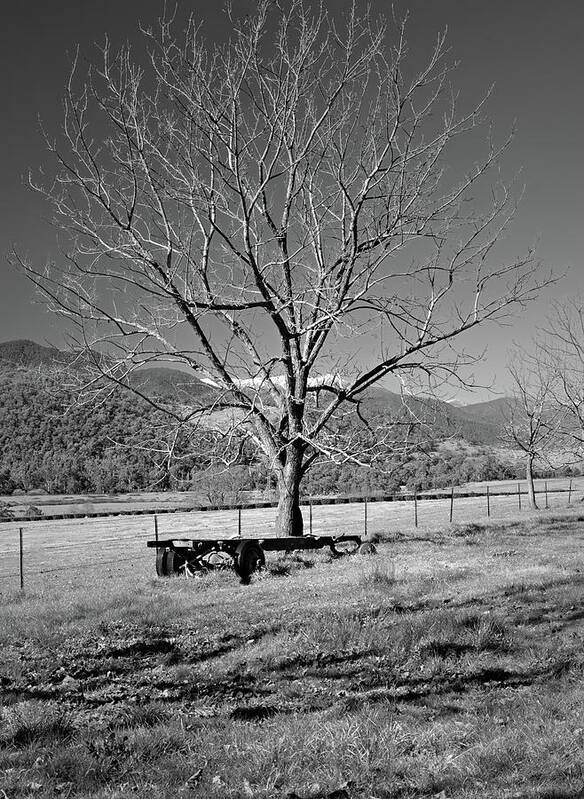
450	664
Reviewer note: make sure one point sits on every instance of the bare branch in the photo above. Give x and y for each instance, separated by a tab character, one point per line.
255	211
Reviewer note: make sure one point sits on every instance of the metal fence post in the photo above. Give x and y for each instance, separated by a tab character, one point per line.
310	515
239	522
570	492
415	509
365	518
546	494
488	502
156	527
451	503
519	495
20	558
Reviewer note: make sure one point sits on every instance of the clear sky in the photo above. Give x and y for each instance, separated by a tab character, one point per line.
530	49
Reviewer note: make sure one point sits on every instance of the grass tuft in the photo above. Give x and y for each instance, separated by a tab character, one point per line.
284	565
35	722
380	575
469	530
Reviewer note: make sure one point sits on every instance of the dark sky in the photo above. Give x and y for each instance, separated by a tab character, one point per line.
531	49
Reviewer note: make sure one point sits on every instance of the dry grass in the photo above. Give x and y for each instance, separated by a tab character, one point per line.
72	551
434	669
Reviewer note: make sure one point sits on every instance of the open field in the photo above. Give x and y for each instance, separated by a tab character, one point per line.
65	551
449	665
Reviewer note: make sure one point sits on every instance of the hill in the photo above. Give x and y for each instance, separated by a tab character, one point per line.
29	354
49	440
160	381
151	381
476	424
441	419
492	411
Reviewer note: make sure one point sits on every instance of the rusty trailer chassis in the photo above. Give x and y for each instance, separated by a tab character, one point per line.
189	556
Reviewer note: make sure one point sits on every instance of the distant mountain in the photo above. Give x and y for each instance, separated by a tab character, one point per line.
151	381
49	440
493	411
166	381
480	423
443	418
23	352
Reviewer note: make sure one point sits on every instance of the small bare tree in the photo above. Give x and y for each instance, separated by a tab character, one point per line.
276	216
534	422
564	357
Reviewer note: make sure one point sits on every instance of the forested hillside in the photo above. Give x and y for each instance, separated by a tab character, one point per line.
29	354
51	441
441	419
48	440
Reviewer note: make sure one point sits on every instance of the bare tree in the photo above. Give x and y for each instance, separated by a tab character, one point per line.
534	422
563	352
275	215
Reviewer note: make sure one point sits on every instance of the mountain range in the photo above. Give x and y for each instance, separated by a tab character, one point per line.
478	423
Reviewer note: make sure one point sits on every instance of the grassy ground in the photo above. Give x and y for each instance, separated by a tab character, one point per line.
67	551
450	664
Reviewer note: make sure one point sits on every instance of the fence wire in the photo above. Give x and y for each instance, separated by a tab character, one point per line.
69	546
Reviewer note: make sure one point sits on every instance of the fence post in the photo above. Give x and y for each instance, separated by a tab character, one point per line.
156	527
519	495
451	503
310	515
570	492
365	518
20	558
415	509
488	503
546	494
239	522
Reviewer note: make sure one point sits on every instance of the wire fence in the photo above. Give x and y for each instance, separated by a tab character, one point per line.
43	552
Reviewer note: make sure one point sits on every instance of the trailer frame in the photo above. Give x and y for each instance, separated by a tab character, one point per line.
192	556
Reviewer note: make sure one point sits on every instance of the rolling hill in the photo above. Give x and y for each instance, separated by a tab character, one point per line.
151	381
28	354
477	424
51	441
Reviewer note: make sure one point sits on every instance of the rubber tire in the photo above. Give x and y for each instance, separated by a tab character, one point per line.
161	565
249	558
367	548
174	563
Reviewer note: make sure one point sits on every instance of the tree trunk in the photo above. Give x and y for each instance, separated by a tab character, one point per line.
289	520
530	485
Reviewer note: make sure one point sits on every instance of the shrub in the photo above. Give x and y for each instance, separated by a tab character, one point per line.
31	512
470	530
6	512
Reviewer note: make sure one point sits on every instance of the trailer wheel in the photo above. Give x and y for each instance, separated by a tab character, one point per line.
161	565
249	558
367	548
175	563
